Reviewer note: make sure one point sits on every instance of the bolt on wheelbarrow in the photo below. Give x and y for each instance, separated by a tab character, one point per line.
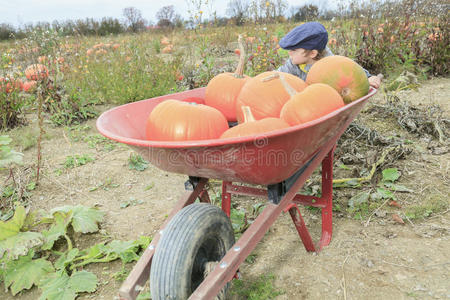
194	254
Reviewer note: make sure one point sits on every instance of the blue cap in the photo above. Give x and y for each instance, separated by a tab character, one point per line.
310	36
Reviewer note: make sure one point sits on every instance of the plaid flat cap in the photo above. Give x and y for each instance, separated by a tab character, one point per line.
310	36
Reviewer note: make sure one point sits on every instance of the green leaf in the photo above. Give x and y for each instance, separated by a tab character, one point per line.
59	286
238	220
84	219
136	162
58	229
7	155
13	226
358	199
5	140
93	251
143	241
397	187
83	281
385	194
20	244
125	250
391	174
144	296
22	273
66	259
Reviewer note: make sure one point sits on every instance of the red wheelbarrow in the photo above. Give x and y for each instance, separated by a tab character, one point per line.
194	255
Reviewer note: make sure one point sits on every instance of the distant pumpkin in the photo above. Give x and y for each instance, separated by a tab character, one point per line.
167	49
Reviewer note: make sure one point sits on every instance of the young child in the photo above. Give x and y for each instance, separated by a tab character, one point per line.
307	44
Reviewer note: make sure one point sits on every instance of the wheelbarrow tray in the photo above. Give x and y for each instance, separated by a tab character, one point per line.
260	159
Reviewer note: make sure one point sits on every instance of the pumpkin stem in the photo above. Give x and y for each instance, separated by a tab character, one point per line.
248	116
289	89
239	73
345	92
271	77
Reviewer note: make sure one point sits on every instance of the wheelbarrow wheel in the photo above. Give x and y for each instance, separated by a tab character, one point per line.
194	241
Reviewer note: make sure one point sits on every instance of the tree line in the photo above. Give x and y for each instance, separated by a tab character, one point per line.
238	12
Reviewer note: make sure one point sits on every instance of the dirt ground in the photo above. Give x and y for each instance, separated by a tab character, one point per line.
375	259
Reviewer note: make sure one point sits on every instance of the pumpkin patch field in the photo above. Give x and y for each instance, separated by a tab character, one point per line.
78	209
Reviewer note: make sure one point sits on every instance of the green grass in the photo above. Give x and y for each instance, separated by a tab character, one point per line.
428	207
259	289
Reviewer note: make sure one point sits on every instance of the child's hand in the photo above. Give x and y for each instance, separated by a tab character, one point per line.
375	81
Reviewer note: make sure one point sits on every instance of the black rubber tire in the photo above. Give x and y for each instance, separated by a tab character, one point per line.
197	234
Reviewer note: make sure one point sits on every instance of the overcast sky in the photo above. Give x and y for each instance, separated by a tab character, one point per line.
19	12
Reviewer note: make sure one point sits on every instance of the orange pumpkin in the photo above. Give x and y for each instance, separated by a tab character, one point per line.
343	74
165	41
167	49
252	127
174	120
266	95
98	46
315	101
36	72
101	52
223	90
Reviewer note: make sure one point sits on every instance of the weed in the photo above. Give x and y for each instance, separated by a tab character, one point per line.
131	202
74	161
106	186
363	203
260	289
428	207
136	162
78	132
98	141
11	106
71	110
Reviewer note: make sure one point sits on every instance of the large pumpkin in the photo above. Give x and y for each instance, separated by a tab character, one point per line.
252	126
313	102
343	74
266	95
174	120
223	90
36	72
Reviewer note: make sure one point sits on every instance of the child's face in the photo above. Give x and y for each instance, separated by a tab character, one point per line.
301	56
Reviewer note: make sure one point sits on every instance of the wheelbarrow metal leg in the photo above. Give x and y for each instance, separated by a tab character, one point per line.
141	271
226	198
325	203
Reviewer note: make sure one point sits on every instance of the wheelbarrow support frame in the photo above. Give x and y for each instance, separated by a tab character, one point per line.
282	198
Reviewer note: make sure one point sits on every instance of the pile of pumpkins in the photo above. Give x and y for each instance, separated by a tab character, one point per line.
269	101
